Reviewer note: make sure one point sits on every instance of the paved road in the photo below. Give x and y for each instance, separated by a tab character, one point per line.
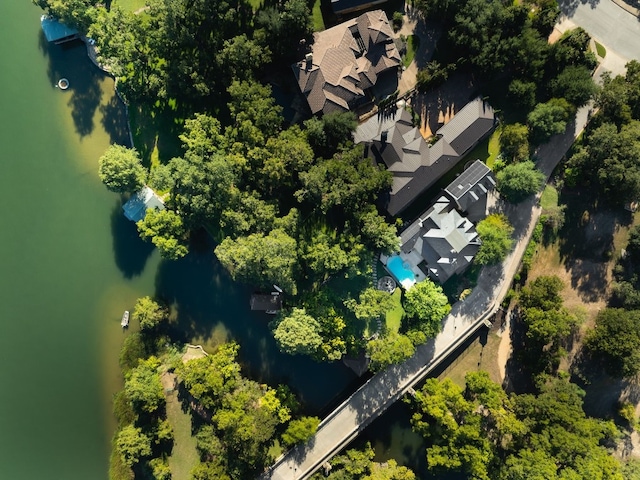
606	22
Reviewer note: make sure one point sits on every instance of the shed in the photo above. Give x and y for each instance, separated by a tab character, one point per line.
136	208
266	302
56	31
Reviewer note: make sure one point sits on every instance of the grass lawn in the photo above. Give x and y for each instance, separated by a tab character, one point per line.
155	133
316	14
477	357
130	5
487	150
413	43
549	198
184	455
394	316
600	50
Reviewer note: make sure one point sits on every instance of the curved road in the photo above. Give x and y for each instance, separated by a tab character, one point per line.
606	22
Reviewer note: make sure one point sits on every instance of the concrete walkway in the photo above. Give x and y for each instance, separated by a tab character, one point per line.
374	397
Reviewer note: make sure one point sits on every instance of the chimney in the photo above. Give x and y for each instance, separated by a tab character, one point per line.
309	59
383	137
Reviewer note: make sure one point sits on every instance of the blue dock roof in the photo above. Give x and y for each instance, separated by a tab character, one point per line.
55	30
136	208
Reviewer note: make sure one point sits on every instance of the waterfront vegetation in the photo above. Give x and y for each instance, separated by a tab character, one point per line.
294	206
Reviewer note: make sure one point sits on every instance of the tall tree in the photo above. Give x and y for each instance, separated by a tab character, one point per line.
149	313
389	349
298	333
495	233
166	230
616	340
427	305
121	170
519	181
133	445
261	259
143	386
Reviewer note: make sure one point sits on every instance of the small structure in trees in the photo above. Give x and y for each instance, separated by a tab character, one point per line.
270	303
136	208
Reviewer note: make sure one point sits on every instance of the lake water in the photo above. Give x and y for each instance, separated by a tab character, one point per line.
70	264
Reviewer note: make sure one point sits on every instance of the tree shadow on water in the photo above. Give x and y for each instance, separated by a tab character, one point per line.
114	121
130	251
211	308
70	61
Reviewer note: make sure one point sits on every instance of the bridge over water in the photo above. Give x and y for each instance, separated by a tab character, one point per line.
345	423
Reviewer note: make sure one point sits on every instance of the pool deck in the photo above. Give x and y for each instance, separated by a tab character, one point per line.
412	259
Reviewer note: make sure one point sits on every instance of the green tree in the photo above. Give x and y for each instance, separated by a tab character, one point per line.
160	469
261	259
254	113
377	234
514	142
149	313
523	93
75	13
143	386
327	135
389	470
519	181
203	136
389	349
495	233
166	230
372	303
298	333
282	27
301	430
427	305
616	340
548	119
241	58
575	85
210	378
132	445
542	293
346	180
121	170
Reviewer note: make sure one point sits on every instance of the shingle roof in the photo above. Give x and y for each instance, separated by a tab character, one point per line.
446	240
416	165
339	67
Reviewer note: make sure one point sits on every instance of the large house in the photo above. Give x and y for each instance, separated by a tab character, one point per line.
345	63
442	242
416	165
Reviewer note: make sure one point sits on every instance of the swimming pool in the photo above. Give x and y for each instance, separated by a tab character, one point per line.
401	271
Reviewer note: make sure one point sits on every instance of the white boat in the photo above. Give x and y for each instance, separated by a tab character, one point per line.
125	319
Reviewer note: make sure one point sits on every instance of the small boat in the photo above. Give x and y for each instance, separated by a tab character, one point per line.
125	319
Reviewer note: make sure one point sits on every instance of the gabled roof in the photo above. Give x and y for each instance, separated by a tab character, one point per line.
345	60
416	165
471	185
136	208
445	239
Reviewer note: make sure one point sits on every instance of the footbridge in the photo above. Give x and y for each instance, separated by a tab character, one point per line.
347	421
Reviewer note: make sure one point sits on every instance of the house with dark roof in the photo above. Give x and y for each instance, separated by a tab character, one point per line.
470	189
439	244
345	62
136	207
416	165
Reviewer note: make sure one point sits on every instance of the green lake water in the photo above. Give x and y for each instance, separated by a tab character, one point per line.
70	263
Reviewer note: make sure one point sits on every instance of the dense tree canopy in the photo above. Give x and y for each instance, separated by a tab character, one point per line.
149	313
301	430
486	434
166	230
495	233
121	170
389	349
143	387
548	119
616	340
298	333
520	180
427	303
132	445
514	142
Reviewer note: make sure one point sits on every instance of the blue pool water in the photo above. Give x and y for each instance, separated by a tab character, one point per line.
402	274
